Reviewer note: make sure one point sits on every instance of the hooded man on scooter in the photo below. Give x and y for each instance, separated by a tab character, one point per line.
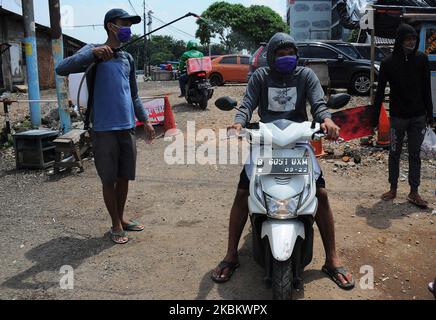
280	91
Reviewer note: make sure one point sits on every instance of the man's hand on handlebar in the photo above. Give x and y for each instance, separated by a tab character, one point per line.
330	129
234	130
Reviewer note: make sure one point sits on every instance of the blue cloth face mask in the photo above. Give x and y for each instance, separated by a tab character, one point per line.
286	64
124	34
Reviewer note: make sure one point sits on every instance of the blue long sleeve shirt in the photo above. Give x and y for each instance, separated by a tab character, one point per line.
116	101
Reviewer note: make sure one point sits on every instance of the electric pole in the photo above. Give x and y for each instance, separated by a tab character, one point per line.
150	26
58	55
32	62
145	42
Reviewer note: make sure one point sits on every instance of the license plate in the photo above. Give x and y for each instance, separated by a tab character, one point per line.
203	85
283	166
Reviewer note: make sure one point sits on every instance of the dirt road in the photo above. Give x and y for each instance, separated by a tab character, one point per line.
48	222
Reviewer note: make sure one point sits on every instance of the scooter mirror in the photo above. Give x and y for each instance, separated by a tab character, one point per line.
226	104
338	101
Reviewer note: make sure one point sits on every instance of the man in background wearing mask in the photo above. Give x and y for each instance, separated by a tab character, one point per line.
281	91
115	103
191	53
411	108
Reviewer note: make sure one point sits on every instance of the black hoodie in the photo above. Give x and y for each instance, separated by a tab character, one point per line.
280	96
409	79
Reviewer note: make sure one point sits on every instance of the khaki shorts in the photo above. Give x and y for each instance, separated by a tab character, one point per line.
114	155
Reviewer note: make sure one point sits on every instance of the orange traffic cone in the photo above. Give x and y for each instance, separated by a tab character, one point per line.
383	138
318	148
169	121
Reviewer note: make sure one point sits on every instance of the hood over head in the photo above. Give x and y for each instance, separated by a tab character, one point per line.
403	31
277	41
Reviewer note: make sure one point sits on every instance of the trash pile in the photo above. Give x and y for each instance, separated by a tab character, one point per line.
350	157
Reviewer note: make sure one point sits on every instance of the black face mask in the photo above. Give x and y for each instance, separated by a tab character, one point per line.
408	50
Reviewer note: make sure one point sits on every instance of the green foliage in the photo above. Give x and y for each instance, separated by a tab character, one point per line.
353	37
239	27
259	24
218	21
165	48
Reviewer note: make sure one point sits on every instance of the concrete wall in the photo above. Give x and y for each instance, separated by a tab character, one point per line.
307	18
12	30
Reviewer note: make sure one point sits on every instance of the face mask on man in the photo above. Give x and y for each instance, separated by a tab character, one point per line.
408	50
409	45
286	64
124	34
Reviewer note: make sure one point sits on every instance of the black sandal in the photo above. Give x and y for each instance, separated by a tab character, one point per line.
432	288
225	265
333	274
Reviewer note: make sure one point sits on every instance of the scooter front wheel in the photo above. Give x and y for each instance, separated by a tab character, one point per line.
282	279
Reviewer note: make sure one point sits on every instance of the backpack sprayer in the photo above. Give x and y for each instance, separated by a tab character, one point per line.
90	67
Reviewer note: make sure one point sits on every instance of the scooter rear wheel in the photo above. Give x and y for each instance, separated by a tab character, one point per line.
204	99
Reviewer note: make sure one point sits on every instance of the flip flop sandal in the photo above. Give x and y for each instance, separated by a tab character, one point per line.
431	288
332	273
134	226
115	237
225	265
418	202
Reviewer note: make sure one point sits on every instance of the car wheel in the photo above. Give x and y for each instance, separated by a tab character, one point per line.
361	84
216	80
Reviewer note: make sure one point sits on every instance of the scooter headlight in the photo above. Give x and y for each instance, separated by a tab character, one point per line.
282	209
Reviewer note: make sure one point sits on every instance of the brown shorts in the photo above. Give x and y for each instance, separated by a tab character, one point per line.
114	155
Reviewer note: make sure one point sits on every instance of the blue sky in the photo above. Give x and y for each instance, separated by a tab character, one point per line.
90	12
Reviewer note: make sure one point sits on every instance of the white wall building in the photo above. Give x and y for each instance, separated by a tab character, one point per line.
309	19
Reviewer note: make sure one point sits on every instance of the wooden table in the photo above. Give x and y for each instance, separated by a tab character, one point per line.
75	143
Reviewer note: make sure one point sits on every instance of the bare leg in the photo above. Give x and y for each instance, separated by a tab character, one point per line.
122	189
324	220
110	200
238	219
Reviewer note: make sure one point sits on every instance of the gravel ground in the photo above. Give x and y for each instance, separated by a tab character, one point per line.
51	221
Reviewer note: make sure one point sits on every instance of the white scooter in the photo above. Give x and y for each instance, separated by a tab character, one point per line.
282	204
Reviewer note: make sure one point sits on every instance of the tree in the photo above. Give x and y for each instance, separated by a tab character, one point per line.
354	35
258	24
218	21
239	27
160	50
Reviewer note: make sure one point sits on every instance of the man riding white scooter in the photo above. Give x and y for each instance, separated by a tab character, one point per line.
281	91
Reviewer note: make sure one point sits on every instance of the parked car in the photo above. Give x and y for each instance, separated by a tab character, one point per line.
365	51
258	59
346	70
229	68
345	47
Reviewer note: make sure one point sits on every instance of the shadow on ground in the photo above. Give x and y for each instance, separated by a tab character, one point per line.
247	281
54	254
381	214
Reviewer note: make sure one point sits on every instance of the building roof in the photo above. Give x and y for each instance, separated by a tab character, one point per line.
39	27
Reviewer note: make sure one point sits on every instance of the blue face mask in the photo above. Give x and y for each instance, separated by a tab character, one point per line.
124	34
286	64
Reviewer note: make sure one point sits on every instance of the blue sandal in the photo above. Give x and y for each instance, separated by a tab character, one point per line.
134	226
117	237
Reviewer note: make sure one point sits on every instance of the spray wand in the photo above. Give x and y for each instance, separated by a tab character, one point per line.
189	14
